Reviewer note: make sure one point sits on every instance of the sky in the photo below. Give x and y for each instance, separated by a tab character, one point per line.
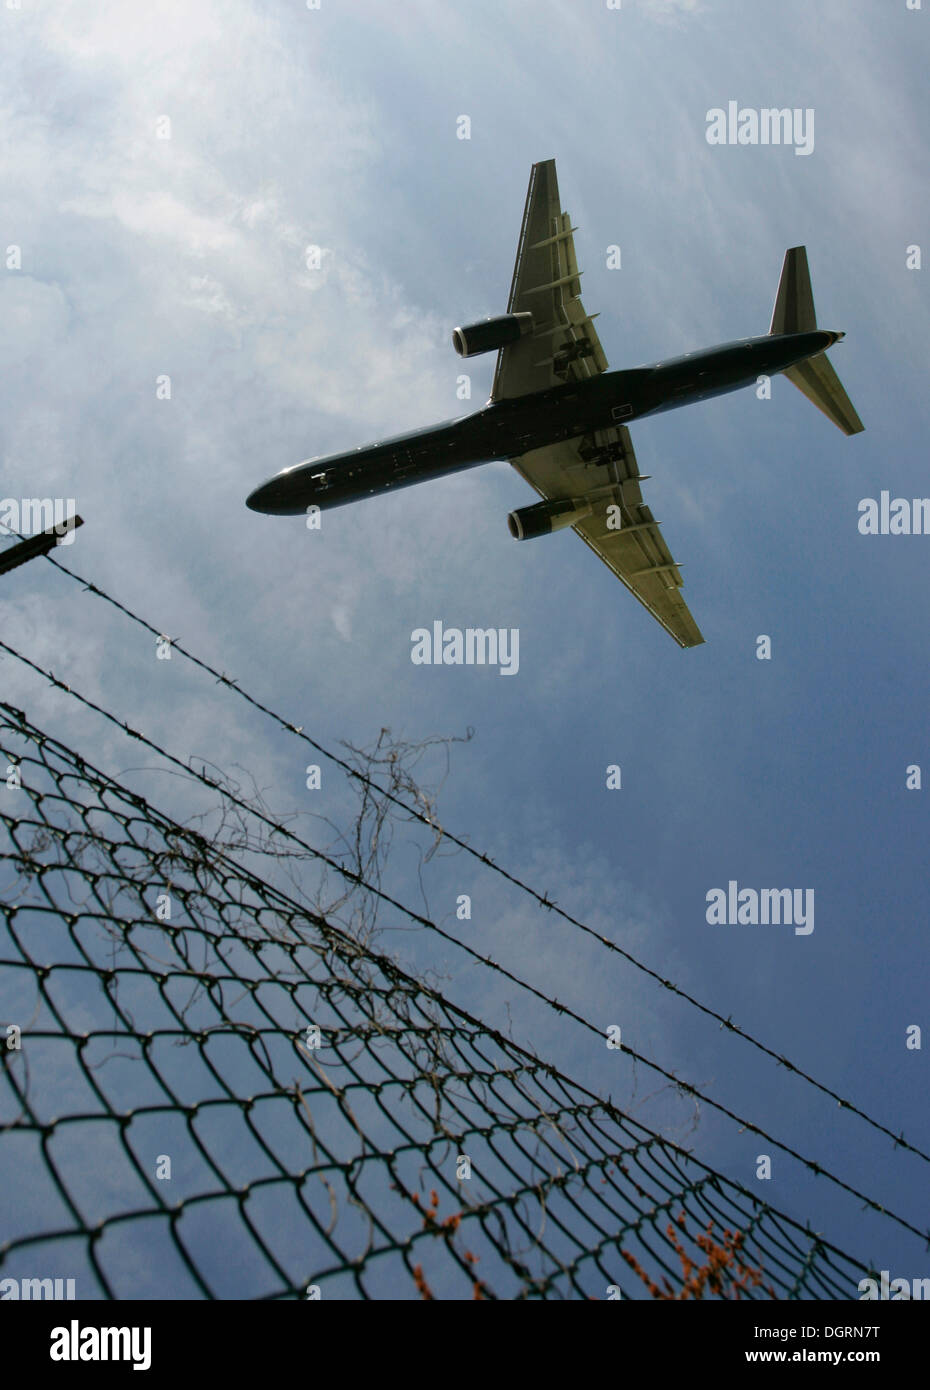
165	169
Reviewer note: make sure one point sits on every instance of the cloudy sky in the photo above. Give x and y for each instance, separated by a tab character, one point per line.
166	167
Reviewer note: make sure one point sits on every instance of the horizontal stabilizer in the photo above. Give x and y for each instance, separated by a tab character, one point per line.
821	385
794	303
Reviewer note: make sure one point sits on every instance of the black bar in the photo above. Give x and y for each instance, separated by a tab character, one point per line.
18	554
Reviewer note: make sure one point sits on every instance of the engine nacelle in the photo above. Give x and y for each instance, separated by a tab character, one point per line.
546	517
491	334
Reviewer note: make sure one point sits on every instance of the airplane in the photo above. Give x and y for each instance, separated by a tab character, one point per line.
560	417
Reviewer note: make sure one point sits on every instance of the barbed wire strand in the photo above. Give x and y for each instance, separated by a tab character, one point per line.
418	1036
411	913
542	899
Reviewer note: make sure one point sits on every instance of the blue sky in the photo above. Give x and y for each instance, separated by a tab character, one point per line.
337	127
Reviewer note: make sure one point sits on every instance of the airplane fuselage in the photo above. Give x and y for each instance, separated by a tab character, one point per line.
508	428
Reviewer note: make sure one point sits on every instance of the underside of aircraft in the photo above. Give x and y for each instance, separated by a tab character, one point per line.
560	416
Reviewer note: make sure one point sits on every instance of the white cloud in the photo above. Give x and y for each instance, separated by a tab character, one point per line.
671	9
33	315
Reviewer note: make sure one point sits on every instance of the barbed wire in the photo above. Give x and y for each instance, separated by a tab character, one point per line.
542	898
561	1009
287	1185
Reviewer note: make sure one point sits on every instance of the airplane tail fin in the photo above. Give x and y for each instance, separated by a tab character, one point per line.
815	378
821	385
794	303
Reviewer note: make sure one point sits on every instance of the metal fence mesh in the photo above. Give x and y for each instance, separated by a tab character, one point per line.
208	1090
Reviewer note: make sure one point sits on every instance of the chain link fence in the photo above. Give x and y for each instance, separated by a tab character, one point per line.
208	1090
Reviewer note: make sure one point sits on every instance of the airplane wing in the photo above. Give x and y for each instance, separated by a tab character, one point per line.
604	464
547	283
564	347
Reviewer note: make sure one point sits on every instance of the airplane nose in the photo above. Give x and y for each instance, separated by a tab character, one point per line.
266	498
256	498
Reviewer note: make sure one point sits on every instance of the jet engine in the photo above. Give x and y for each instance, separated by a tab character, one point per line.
490	334
546	517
